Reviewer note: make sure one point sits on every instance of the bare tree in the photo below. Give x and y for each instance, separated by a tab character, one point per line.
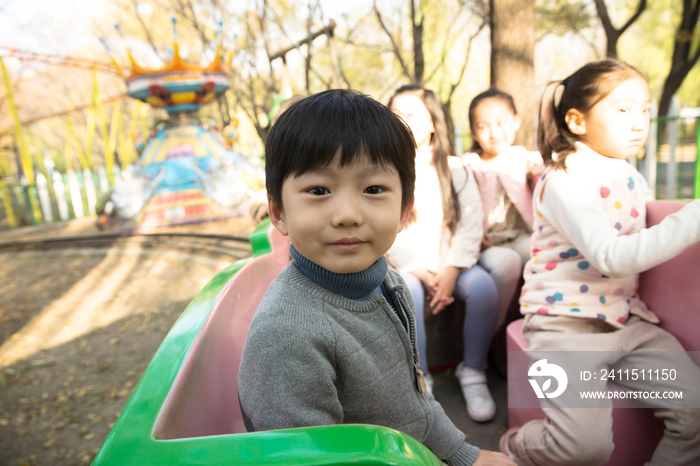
417	24
684	57
395	41
513	59
264	27
611	32
561	17
413	64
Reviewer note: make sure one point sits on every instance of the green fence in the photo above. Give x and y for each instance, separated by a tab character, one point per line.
670	163
62	197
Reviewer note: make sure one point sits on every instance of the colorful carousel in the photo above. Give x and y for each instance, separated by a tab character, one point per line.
186	173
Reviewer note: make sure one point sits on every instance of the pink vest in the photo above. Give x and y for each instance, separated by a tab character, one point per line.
516	163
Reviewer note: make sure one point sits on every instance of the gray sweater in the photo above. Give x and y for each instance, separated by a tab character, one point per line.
313	357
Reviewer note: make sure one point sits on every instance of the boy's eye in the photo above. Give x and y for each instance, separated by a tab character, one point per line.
318	191
374	190
625	110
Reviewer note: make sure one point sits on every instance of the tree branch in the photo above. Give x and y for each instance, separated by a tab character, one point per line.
610	30
341	71
640	8
144	27
417	34
694	17
454	86
395	47
261	22
604	17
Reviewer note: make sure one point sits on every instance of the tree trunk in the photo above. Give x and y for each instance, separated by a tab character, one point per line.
611	48
513	60
683	59
418	57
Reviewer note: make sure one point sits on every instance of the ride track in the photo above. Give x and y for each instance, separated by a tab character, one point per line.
215	246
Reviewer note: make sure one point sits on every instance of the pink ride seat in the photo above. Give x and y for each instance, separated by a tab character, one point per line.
204	397
671	290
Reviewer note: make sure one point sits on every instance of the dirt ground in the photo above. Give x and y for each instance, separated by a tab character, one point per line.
77	330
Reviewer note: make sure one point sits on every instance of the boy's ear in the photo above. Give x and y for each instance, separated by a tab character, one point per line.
406	214
277	217
576	122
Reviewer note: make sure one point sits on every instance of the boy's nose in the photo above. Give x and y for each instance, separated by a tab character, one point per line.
347	211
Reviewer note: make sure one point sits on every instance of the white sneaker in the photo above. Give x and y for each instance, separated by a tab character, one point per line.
480	404
429	382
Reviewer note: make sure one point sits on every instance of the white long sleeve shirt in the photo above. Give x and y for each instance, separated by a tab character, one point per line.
590	240
426	243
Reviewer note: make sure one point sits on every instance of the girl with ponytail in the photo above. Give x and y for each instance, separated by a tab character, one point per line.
589	244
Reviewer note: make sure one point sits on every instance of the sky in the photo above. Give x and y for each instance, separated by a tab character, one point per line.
42	25
66	27
47	26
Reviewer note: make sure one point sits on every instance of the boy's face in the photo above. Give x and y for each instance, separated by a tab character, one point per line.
342	218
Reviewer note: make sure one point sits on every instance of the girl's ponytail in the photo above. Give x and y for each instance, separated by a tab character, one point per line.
551	136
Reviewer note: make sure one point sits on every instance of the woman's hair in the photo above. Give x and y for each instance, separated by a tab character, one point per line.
309	134
581	91
491	93
443	146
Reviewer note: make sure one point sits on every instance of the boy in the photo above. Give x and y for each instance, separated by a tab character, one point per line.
333	340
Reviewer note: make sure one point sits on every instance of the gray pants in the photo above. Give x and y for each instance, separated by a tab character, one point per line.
583	436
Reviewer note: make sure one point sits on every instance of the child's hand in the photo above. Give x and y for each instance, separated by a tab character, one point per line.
426	277
443	286
438	304
491	458
260	213
486	241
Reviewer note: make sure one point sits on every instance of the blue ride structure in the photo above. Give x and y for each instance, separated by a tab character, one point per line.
186	173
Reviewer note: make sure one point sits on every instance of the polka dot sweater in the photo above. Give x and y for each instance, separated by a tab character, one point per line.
589	240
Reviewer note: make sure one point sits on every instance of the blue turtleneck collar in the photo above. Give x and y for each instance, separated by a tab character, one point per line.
358	285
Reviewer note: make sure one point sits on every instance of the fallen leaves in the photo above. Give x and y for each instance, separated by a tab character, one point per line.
58	404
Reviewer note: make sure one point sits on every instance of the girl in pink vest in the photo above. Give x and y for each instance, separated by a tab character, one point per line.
504	173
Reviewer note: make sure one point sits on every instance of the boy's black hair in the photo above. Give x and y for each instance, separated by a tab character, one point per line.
308	135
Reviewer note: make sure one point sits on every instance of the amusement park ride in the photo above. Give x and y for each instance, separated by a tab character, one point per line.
186	173
185	408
